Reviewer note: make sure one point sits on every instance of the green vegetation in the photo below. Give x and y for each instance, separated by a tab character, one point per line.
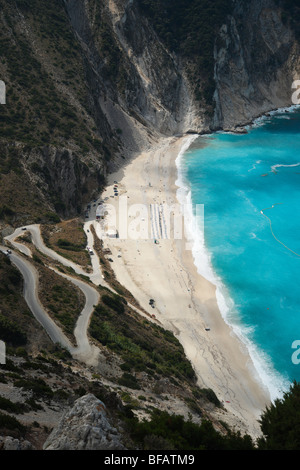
129	380
67	245
280	423
190	28
115	302
63	300
164	431
143	346
6	212
38	110
48	103
18	196
15	317
18	327
69	240
11	333
9	423
38	387
209	394
52	217
8	405
36	113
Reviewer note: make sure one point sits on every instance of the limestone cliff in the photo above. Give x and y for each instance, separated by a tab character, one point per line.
92	82
257	58
86	426
149	92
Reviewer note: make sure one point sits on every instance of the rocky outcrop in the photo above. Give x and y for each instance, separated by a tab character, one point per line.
63	176
256	61
164	96
153	96
257	58
11	443
85	427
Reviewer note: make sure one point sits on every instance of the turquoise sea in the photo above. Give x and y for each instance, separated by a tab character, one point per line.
249	185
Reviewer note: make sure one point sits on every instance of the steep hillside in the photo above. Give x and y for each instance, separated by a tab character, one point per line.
18	327
257	58
189	29
89	83
78	96
141	371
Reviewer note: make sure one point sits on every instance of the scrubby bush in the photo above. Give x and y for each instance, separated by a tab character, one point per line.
8	405
10	423
128	380
173	432
11	332
37	386
280	422
114	302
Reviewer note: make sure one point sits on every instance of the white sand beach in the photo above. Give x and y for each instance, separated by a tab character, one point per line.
185	302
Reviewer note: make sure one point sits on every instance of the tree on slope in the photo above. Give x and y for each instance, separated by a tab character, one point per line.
280	423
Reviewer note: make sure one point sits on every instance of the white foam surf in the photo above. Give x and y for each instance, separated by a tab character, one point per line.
262	368
261	120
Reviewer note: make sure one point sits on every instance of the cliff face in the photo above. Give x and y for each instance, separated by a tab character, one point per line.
256	61
89	82
54	141
147	91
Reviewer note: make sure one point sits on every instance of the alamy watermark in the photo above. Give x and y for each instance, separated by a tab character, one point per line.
2	92
296	94
2	352
2	101
157	221
296	344
296	354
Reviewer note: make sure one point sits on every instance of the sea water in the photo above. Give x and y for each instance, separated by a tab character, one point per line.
249	185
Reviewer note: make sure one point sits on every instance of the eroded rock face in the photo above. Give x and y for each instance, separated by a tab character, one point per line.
256	62
130	91
60	174
155	92
85	427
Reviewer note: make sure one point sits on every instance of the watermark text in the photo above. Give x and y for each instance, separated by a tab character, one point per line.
296	354
296	94
2	92
157	221
2	352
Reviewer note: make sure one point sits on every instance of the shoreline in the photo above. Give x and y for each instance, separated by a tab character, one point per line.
259	120
273	381
185	302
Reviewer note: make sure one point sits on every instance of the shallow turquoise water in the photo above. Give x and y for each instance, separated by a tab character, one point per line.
255	256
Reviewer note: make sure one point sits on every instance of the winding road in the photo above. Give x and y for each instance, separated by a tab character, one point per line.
30	276
84	351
